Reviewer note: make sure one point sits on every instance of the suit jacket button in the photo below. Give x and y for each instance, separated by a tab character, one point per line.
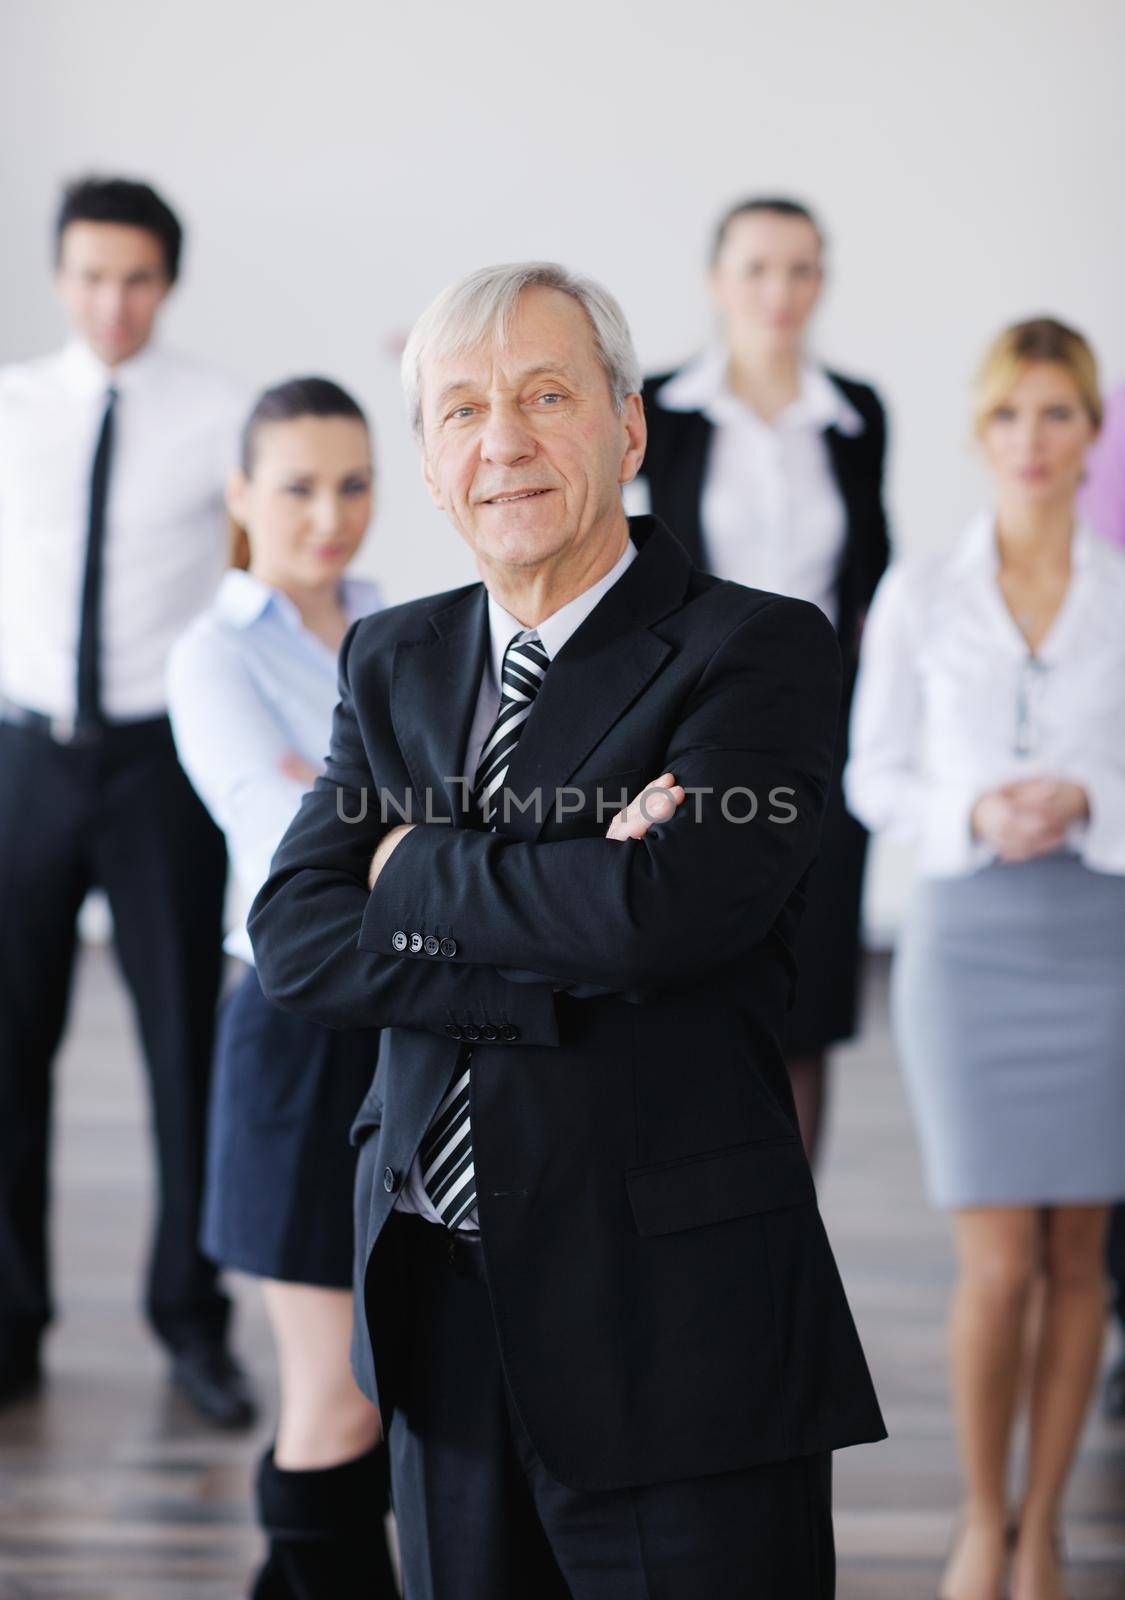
489	1033
430	945
399	940
453	1030
509	1032
470	1031
415	944
390	1179
448	947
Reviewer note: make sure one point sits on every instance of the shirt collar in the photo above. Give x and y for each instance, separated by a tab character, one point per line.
976	551
556	629
243	599
702	386
90	375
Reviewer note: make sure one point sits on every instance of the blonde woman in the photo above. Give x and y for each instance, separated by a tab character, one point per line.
987	725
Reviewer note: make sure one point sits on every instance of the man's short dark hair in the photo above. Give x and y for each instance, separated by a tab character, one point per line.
769	205
134	205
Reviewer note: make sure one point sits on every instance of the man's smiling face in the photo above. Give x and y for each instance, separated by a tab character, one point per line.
521	446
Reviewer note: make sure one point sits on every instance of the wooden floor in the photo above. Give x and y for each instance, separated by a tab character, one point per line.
110	1491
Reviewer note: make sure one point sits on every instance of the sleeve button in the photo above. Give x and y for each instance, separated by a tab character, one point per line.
399	940
509	1032
470	1031
452	1030
448	947
489	1033
430	945
415	944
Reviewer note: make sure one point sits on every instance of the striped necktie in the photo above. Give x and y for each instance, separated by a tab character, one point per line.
447	1150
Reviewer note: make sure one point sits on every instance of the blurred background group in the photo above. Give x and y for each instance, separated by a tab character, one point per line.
873	265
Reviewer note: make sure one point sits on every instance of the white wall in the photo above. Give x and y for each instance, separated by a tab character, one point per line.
338	162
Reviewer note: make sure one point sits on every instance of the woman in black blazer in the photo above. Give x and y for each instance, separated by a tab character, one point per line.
770	471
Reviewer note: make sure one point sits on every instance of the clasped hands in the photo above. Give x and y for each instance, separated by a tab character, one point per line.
1030	817
656	802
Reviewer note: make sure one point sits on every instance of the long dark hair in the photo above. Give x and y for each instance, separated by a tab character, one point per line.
285	402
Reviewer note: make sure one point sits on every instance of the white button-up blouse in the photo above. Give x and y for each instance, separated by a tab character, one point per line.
249	684
951	703
772	513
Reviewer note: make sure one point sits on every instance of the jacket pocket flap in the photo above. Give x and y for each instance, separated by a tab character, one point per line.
716	1187
369	1115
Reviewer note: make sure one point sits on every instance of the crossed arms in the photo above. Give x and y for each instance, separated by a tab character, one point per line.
698	890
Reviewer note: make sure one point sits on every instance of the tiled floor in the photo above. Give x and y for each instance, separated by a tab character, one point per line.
110	1491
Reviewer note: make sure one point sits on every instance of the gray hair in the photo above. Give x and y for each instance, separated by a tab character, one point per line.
481	307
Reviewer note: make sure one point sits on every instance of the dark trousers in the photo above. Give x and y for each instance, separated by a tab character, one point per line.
480	1518
118	813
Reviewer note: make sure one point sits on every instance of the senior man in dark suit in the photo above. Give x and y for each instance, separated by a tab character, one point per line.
595	1300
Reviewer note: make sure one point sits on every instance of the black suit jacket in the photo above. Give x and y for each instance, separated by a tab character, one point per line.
665	1298
675	467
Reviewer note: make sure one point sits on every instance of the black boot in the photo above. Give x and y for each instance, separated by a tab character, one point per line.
325	1529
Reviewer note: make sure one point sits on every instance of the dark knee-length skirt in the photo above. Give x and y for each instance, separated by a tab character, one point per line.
278	1195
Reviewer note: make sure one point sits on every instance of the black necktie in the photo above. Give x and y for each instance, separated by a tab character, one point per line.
448	1175
89	706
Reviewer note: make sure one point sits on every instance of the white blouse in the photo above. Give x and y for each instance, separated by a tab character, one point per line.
249	684
951	703
772	513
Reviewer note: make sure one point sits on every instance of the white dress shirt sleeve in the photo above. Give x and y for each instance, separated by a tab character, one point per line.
884	781
231	747
1101	841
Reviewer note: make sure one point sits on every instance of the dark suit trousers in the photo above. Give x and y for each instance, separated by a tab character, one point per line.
118	813
480	1517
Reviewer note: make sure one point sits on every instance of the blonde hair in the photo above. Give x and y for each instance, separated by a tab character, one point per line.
1022	345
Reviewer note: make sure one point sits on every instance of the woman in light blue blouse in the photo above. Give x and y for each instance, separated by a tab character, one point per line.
252	686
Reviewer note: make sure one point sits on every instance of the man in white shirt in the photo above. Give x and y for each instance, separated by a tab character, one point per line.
112	459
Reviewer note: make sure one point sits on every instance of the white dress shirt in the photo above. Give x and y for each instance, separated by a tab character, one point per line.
176	429
772	513
951	703
248	684
553	632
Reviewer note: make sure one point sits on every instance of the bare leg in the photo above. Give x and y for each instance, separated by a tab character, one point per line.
808	1075
997	1251
324	1419
1066	1367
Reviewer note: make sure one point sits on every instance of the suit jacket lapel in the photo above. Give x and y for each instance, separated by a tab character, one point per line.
598	673
845	454
596	676
676	467
434	691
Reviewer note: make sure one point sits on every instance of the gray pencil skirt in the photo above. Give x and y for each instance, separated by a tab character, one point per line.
1008	1005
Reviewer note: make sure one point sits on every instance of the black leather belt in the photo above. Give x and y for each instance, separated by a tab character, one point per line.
67	730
